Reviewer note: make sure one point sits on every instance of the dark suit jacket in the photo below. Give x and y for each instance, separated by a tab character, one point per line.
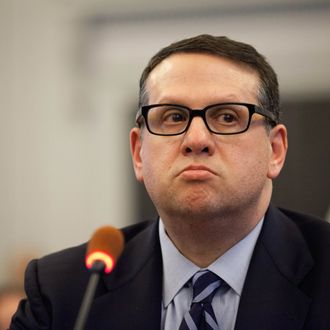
287	285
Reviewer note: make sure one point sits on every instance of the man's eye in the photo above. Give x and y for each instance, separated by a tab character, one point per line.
224	117
227	118
174	117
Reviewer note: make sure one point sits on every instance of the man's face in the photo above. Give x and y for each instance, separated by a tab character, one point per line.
198	172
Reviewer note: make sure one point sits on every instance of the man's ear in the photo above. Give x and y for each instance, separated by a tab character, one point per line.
279	146
136	145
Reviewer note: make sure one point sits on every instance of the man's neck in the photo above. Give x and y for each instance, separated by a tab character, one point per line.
204	240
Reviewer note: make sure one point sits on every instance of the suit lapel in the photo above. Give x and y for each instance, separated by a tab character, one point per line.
134	289
271	298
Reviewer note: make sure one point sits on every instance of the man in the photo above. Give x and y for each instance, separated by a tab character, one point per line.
207	146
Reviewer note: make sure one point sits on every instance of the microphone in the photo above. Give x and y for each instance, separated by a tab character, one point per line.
103	251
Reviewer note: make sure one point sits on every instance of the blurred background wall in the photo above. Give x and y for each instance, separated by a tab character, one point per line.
69	75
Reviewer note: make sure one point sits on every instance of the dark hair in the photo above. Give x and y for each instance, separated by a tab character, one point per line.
268	93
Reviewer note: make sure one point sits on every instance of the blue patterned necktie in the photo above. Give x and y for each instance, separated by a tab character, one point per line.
201	315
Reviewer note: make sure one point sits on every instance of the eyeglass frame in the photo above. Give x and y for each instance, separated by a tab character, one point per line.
143	113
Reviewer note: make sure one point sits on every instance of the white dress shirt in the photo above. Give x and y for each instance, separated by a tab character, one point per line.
177	271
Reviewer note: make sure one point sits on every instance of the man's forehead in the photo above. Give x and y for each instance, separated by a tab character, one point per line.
185	70
193	61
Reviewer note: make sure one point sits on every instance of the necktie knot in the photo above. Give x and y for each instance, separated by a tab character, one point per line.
205	283
201	314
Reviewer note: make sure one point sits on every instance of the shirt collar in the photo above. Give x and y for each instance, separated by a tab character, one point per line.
231	266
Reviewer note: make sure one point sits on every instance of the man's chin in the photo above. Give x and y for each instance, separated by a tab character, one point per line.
192	210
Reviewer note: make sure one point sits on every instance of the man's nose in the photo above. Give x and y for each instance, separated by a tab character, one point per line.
198	139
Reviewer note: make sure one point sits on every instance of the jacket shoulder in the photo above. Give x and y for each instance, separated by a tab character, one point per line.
316	231
55	285
316	235
73	257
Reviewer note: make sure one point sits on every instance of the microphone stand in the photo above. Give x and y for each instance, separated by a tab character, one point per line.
97	269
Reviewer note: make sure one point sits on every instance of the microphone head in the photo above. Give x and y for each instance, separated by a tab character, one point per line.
106	245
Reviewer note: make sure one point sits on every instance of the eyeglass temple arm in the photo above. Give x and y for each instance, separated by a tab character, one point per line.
266	113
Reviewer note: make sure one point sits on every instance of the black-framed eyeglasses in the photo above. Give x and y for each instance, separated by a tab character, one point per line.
222	118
